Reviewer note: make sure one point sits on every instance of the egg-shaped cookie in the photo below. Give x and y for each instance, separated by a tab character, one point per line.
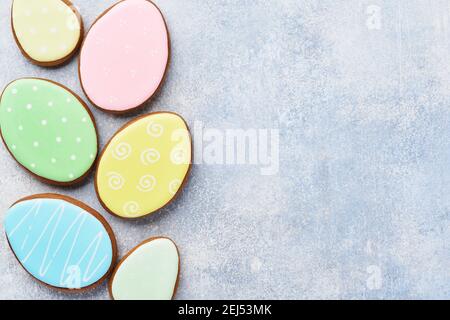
124	56
148	272
48	130
144	165
60	241
48	32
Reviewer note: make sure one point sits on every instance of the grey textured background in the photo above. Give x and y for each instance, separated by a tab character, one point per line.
361	205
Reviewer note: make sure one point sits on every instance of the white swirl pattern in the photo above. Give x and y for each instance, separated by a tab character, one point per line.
115	180
155	129
147	183
174	185
150	156
131	208
122	151
179	156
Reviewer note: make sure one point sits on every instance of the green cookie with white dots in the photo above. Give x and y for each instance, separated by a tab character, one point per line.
48	130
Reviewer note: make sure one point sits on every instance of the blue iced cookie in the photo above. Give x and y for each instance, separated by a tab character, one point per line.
60	241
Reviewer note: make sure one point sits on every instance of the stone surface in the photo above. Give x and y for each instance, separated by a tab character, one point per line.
360	207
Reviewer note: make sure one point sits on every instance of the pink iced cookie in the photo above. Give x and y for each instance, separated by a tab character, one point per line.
124	56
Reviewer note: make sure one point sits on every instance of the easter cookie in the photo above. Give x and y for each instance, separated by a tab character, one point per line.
48	32
144	165
148	272
60	241
124	57
48	130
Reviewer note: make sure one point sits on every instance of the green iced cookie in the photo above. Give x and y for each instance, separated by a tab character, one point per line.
48	130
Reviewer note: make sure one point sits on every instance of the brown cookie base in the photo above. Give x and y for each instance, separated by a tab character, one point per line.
45	180
111	279
130	110
183	183
91	211
58	62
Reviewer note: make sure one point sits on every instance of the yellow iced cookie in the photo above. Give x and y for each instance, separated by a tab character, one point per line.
47	31
144	165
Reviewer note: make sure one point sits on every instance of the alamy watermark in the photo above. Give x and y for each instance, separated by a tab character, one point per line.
255	147
373	21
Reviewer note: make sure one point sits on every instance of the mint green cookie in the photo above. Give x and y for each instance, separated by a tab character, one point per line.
48	130
148	272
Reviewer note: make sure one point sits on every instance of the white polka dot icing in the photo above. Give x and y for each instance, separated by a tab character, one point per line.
47	31
57	151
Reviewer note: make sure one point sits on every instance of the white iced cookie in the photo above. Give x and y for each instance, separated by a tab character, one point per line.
47	32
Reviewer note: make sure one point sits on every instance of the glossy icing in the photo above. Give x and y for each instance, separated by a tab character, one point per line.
47	30
144	165
149	272
124	56
58	242
47	130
